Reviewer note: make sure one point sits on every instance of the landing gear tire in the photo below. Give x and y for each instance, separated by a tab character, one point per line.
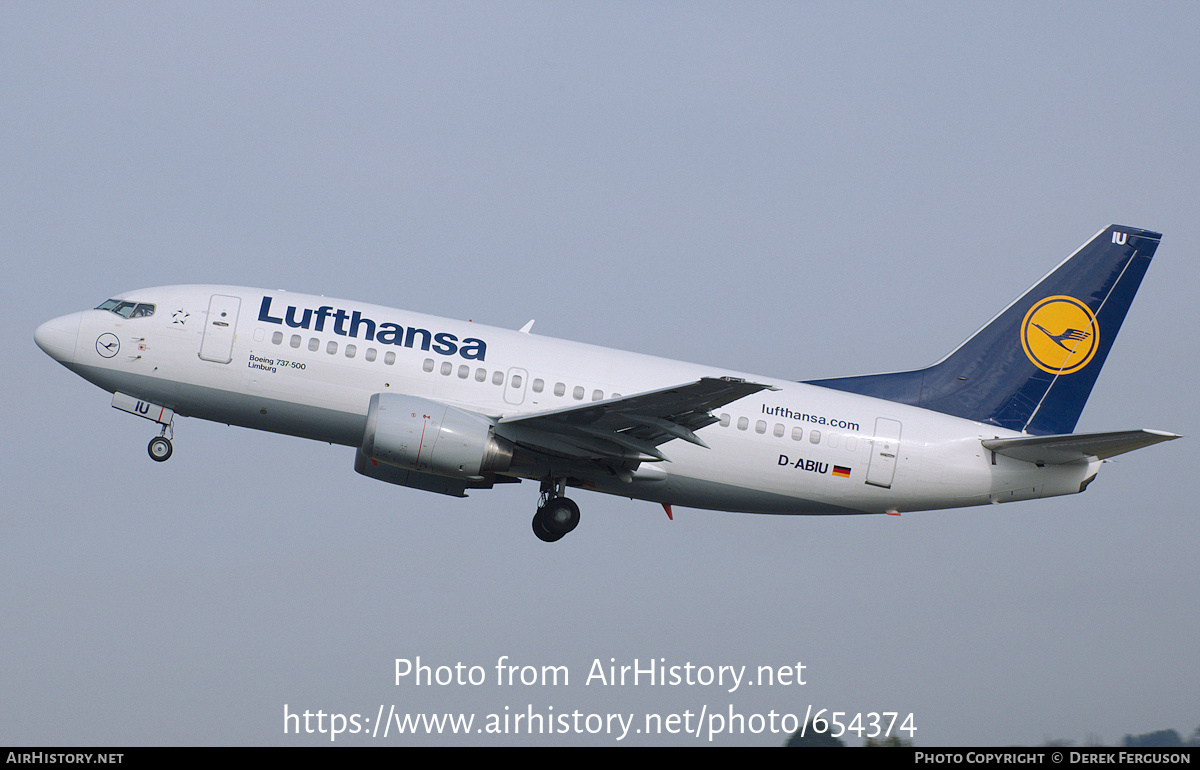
160	449
556	518
540	531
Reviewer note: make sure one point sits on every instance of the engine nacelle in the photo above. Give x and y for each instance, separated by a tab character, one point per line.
431	437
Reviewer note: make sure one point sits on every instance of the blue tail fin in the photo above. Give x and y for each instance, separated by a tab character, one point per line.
1033	366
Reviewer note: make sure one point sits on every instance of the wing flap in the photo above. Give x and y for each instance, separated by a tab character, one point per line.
1073	447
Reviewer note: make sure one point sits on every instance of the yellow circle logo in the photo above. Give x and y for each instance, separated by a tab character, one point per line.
1060	335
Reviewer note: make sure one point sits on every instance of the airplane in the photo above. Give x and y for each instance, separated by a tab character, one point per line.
449	406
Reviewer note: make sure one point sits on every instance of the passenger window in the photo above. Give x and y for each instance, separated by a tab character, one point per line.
559	389
351	350
778	430
314	344
851	443
447	367
516	380
295	341
724	420
481	375
389	358
760	426
797	434
277	338
743	423
331	347
833	440
815	437
371	354
497	377
427	365
538	385
597	395
463	372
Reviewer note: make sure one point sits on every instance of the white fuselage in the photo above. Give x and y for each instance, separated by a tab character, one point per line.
307	366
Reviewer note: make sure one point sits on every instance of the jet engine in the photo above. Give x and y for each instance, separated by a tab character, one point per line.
431	437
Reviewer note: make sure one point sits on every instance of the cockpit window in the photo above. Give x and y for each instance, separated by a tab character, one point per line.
127	309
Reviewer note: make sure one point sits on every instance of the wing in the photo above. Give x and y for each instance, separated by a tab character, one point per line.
1071	447
629	427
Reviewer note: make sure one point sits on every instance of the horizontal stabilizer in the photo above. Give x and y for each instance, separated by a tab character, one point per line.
1073	447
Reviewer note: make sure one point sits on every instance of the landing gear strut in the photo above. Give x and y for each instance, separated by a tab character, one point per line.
556	515
160	448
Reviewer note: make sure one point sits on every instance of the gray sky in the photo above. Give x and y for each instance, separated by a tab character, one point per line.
799	190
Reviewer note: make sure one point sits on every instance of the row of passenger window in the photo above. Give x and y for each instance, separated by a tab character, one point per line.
537	385
331	347
350	350
464	372
814	435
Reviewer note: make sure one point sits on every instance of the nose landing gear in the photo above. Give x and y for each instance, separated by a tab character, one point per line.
556	515
160	448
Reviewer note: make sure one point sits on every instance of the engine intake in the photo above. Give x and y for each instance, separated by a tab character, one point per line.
431	437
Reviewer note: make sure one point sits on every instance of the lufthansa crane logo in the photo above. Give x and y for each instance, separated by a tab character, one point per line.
1060	335
107	344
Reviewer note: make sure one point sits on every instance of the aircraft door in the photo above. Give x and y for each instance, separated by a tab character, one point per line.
514	386
220	328
885	448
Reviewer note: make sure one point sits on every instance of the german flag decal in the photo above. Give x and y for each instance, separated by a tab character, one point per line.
841	471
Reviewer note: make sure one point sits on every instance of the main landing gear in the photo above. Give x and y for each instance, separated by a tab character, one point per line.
556	515
160	446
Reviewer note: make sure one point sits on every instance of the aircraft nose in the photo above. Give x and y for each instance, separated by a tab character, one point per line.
57	337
